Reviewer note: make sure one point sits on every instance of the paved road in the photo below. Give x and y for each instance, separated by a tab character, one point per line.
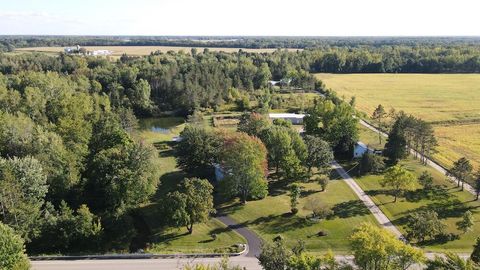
430	162
377	213
143	264
253	240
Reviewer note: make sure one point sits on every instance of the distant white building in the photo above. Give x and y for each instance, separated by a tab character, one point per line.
100	52
294	118
74	49
282	82
273	83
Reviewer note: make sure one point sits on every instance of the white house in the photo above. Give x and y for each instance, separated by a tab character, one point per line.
360	149
294	118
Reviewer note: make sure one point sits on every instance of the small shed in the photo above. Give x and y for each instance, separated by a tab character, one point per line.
294	118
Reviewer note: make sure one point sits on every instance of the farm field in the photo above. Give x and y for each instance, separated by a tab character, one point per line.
141	50
271	217
456	141
432	97
445	198
450	101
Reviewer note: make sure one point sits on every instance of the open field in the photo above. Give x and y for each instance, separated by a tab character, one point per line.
432	97
142	50
456	141
446	199
450	101
271	217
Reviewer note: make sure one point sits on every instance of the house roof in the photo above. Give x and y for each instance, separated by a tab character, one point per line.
361	144
286	115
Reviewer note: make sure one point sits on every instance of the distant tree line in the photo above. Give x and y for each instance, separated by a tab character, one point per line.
335	55
257	42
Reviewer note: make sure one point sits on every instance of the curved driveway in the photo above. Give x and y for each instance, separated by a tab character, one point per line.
253	241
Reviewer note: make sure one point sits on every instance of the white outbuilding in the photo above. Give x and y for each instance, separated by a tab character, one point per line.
294	118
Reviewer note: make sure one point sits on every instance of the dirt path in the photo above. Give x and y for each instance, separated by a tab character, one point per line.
377	213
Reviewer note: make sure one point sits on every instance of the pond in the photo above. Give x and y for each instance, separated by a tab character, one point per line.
160	124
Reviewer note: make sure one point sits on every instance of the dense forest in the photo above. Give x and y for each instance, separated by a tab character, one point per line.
334	55
252	42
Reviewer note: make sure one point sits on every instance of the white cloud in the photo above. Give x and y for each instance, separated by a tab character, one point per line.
43	17
245	17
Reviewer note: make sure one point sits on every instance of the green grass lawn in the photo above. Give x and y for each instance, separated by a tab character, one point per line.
370	138
200	241
446	199
449	202
271	217
173	240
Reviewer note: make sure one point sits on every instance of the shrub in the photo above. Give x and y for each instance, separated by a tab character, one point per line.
371	163
12	250
323	181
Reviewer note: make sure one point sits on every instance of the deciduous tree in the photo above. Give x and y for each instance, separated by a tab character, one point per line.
319	153
424	225
244	160
449	262
294	195
467	222
398	179
192	203
12	250
198	150
377	249
426	180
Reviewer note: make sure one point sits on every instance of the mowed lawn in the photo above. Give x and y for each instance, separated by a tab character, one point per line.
446	199
450	101
172	240
143	50
271	217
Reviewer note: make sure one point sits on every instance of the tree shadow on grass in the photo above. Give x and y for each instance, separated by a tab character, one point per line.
306	193
449	208
169	182
375	192
206	241
281	224
350	208
436	192
169	237
277	187
439	240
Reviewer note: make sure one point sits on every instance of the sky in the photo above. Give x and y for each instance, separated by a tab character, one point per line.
241	17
